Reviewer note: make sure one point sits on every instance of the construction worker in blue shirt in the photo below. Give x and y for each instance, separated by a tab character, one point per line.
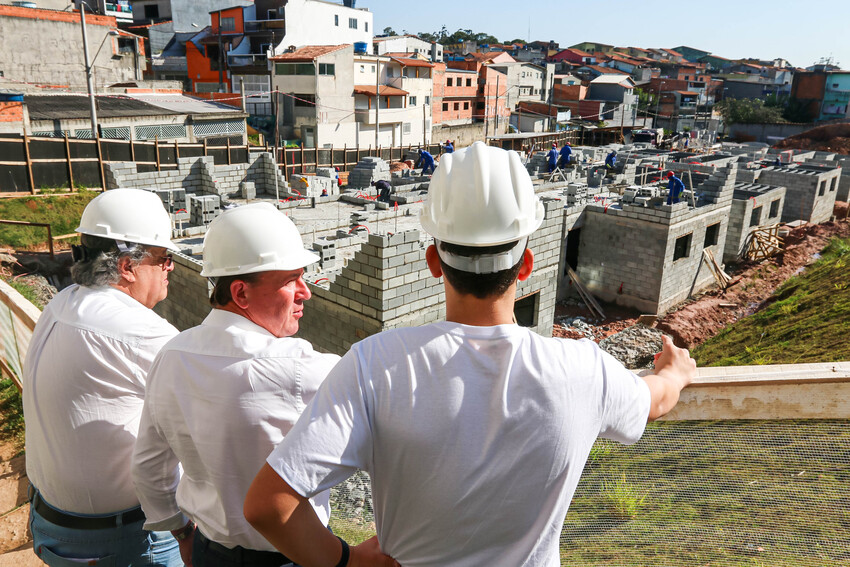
552	157
426	162
611	160
674	188
449	147
566	155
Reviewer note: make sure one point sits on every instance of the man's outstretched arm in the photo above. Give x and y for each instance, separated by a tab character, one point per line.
674	369
288	521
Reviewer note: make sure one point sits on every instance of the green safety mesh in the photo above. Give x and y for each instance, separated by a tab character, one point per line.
730	493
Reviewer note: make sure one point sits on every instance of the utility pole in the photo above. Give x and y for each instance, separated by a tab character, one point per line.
377	99
496	128
486	107
220	57
89	84
424	125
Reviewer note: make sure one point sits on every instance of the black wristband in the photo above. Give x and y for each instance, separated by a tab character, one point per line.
343	560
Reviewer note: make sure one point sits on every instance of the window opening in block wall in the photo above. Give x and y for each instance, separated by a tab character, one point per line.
821	188
525	310
774	208
712	233
833	184
682	249
755	218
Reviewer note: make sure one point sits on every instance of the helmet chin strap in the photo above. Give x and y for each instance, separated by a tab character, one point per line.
484	263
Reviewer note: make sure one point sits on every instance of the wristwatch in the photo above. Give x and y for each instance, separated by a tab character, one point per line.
184	532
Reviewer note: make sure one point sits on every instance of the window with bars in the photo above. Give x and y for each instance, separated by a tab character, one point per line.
327	68
218	127
352	23
228	24
162	131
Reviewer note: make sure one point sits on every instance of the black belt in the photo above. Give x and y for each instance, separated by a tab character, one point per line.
64	520
243	556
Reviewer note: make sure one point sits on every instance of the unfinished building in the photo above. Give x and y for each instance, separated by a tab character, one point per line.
613	229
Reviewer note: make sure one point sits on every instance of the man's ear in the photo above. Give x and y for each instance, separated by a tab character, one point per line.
126	269
527	265
239	292
433	261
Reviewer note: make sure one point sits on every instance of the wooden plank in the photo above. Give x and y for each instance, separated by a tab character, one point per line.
13	163
228	150
68	159
29	163
585	294
20	306
156	150
100	161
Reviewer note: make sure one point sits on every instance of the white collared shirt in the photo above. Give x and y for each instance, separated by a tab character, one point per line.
84	388
220	397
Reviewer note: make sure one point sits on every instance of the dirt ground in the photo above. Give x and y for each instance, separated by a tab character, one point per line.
827	138
15	541
702	317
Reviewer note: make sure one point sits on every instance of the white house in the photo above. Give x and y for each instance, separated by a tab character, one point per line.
408	44
317	22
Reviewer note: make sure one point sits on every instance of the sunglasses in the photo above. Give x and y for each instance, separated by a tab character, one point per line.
166	260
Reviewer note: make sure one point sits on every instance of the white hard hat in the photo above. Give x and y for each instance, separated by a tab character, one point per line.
253	238
129	215
481	196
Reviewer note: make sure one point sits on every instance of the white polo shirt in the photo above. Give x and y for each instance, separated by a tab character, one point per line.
84	388
220	397
475	437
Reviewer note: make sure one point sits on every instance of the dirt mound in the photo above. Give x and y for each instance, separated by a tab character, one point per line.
702	318
401	165
828	138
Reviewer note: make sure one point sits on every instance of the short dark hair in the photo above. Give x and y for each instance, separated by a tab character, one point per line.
480	286
221	295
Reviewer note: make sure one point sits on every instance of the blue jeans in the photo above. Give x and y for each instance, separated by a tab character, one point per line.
123	546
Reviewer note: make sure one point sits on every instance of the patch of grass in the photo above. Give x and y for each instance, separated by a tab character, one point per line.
806	320
12	414
26	291
61	212
624	500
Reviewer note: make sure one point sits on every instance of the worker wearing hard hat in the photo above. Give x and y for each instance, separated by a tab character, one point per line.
475	430
552	157
84	385
566	155
221	395
675	187
611	159
425	161
449	147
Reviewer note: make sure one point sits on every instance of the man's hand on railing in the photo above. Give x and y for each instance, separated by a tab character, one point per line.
674	369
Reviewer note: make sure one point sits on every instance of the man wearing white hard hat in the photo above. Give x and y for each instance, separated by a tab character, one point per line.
474	430
221	395
84	387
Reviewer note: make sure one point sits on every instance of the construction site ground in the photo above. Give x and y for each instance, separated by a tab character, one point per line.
702	317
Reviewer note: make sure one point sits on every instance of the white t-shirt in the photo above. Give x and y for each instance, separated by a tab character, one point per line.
84	388
475	437
220	397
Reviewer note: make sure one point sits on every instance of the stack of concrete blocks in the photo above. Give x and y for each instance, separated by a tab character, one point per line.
720	185
175	202
188	302
248	190
749	197
810	190
326	250
837	160
538	165
367	170
313	185
576	193
203	209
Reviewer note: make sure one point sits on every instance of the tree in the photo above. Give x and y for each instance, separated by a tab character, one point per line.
389	31
748	111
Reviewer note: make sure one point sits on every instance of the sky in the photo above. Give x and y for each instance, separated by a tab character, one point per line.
801	32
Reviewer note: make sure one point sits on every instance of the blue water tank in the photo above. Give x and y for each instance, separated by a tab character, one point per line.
11	97
360	47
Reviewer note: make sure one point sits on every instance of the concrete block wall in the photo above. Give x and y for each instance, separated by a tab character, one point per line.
719	186
803	200
843	162
740	216
187	303
686	276
548	265
367	170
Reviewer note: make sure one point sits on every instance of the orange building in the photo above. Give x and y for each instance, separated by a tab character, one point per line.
206	52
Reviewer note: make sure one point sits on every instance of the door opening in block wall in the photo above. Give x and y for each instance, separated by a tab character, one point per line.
571	254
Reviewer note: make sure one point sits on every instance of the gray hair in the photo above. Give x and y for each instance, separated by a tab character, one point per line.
99	266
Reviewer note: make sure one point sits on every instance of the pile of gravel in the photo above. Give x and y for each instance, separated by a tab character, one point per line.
635	347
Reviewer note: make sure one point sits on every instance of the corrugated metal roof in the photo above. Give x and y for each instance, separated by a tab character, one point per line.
181	104
57	107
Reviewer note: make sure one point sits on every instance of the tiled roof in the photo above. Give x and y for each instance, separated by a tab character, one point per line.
411	62
484	57
604	70
308	53
386	90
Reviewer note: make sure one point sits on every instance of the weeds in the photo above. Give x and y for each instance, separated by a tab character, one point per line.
623	500
12	413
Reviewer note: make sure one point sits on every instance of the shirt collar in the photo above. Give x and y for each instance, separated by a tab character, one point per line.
223	319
